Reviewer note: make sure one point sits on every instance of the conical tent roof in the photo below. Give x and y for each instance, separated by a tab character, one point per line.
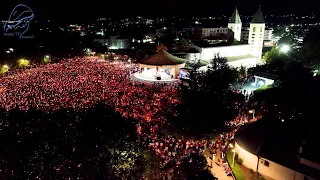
258	17
235	18
162	58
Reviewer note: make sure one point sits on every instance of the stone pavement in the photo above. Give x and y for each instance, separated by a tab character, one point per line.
218	171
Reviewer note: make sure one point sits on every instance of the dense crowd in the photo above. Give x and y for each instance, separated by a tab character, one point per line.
80	83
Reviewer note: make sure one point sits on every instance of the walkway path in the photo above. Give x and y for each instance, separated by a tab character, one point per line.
218	171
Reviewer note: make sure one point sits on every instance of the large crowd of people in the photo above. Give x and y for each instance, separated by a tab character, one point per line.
80	83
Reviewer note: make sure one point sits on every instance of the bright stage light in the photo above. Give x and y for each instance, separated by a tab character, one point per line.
285	48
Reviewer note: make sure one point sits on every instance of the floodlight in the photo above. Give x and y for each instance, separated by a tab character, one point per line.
285	48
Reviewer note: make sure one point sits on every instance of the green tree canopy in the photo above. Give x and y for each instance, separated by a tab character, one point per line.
193	167
207	99
309	54
185	43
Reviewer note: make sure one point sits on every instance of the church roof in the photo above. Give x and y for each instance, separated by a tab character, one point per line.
235	18
258	17
161	58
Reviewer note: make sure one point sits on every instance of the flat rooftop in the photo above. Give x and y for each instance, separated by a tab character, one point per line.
267	75
236	58
204	45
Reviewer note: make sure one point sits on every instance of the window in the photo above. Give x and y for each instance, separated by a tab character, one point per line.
254	29
264	162
238	28
261	29
231	28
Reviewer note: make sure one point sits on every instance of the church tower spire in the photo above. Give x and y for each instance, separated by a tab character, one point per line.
256	34
235	25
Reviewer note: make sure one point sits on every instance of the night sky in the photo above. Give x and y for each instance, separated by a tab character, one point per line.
86	10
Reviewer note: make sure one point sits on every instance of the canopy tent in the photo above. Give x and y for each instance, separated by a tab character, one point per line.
162	60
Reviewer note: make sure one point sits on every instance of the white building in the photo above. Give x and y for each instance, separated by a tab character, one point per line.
272	149
267	34
114	42
244	54
237	55
222	32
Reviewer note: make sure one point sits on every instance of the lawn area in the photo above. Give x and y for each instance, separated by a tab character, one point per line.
236	169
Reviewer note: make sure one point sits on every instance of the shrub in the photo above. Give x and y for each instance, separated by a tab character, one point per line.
239	161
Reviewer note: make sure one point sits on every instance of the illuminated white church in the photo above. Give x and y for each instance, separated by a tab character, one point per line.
247	55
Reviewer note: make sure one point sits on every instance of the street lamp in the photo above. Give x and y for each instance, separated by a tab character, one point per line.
252	112
46	58
11	49
5	66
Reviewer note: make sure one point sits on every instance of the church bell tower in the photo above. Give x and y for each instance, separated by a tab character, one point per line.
256	34
235	25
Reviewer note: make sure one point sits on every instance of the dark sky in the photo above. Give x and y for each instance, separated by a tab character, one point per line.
82	9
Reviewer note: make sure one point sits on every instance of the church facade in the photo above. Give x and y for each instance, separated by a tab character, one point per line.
248	54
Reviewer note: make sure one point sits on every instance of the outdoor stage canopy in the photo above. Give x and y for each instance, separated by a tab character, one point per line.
160	62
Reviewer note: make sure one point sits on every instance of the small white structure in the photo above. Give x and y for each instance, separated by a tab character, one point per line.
161	66
273	152
264	79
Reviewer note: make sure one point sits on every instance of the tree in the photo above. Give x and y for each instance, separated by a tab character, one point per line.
126	159
193	167
207	99
95	144
271	55
287	35
243	72
309	54
185	43
152	166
